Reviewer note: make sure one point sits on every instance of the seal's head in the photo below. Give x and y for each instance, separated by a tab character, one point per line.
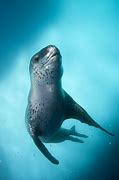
46	64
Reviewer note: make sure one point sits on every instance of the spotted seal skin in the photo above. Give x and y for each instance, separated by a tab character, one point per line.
49	104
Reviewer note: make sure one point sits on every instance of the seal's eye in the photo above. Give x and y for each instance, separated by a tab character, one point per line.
35	59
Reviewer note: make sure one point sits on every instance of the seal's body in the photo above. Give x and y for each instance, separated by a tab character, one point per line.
49	105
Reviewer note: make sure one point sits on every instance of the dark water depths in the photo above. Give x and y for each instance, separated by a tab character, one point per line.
86	32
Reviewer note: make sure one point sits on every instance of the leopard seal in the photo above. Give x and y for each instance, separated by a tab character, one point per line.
49	104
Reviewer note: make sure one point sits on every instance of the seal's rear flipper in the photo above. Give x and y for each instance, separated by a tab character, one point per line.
75	133
74	110
44	150
71	138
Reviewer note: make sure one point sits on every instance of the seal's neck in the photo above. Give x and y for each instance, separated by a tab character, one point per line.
39	87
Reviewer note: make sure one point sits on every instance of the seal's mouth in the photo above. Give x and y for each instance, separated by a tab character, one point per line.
55	54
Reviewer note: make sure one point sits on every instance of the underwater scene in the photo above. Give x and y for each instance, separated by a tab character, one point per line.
86	35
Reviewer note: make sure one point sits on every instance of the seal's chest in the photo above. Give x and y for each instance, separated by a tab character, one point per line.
50	117
50	112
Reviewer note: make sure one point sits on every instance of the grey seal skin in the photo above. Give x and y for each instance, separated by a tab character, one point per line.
49	104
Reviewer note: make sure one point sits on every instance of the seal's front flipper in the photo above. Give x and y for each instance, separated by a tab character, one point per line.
74	110
44	150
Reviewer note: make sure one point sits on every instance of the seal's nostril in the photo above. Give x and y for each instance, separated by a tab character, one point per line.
52	46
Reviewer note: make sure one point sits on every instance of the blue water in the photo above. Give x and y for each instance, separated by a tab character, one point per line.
86	33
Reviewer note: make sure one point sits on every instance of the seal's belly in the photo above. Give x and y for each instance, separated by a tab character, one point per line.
45	115
50	118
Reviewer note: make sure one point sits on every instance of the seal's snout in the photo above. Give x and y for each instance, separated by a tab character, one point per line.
47	55
53	50
48	51
52	47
